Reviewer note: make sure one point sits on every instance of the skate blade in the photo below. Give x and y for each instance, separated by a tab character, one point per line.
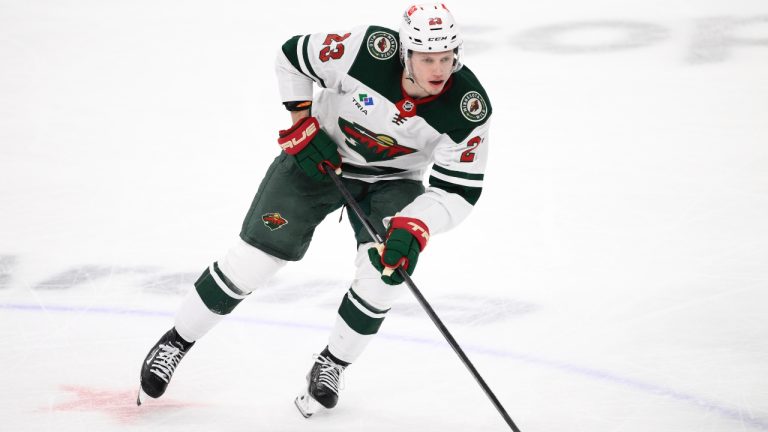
142	397
307	405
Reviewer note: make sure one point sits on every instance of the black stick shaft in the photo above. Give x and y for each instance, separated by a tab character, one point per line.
374	233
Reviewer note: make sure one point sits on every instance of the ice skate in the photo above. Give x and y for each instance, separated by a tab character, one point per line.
323	385
159	365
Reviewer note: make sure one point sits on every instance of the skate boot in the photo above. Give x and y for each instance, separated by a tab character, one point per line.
158	367
323	384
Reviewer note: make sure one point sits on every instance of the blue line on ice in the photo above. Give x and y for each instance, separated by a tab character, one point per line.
709	406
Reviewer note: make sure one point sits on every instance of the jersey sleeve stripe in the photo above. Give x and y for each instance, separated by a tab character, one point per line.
458	174
304	60
470	194
456	180
290	49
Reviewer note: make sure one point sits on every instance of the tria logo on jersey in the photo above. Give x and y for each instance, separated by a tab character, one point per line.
362	102
367	100
370	145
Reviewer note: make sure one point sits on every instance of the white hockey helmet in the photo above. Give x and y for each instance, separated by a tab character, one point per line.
430	27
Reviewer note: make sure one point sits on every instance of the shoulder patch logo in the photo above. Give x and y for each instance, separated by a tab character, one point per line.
382	45
273	221
473	107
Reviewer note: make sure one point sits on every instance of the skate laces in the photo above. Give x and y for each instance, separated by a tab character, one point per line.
330	373
166	360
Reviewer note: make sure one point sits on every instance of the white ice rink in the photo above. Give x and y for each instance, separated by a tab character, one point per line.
612	278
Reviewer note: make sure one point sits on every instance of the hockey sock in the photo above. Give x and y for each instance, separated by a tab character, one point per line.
218	293
194	319
214	297
356	324
360	315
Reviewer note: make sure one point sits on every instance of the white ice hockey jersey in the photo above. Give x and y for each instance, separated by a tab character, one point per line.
382	134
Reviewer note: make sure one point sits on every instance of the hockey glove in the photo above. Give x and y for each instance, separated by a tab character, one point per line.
310	146
406	238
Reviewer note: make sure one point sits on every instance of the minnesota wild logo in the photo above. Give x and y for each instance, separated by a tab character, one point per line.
370	145
473	106
382	45
273	221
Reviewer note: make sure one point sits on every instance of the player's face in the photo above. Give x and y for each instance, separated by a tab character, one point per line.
432	70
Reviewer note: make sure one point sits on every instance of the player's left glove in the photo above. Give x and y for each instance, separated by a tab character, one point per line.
406	238
310	146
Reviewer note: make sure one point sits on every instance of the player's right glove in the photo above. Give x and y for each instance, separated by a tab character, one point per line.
310	146
406	238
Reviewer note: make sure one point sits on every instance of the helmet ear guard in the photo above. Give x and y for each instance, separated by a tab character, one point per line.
457	54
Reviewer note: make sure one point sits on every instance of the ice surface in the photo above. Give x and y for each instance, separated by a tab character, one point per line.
613	276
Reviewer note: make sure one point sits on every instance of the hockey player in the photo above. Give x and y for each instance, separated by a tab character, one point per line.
392	106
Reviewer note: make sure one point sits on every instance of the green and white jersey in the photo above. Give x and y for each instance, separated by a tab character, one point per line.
382	134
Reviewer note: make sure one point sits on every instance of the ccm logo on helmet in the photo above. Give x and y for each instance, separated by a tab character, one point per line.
435	39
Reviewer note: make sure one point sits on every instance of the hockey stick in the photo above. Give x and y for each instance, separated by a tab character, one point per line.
374	233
